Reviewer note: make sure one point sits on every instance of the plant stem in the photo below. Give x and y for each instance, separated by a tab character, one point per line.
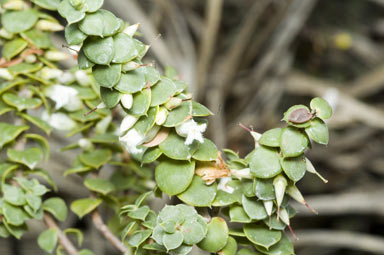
64	241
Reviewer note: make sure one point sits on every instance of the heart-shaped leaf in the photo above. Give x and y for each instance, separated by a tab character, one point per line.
206	151
230	248
294	168
141	102
199	194
322	109
284	246
318	131
99	50
237	214
57	207
265	163
73	35
96	158
261	235
178	115
13	195
19	21
28	157
132	81
110	97
107	76
14	47
224	198
217	236
173	177
163	91
139	237
126	48
14	215
47	240
172	241
271	138
255	209
264	189
199	110
99	185
193	231
47	4
9	132
21	103
293	142
70	13
84	206
174	147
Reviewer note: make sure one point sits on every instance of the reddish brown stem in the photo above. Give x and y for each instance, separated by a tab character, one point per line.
63	239
100	225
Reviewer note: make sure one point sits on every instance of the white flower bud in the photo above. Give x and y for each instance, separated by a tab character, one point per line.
161	116
127	123
5	74
284	216
312	170
85	144
279	183
130	66
31	58
47	25
268	205
64	96
59	121
127	100
131	30
50	73
173	102
66	78
14	5
101	106
295	193
242	173
82	78
55	55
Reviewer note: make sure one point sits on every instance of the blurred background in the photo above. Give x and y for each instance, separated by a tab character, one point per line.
249	60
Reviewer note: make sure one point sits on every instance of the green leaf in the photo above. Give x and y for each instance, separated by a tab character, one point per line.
41	141
151	155
99	50
38	38
237	214
107	76
126	48
181	250
83	61
293	142
174	213
33	201
77	232
14	215
19	21
57	207
21	103
139	237
16	231
86	252
132	81
264	189
43	125
78	170
294	168
163	91
284	246
271	138
141	102
84	206
199	194
193	231
13	195
199	110
47	240
174	147
70	13
168	226
93	5
265	163
51	5
173	177
101	23
230	248
9	132
322	109
318	131
207	151
152	76
139	213
261	236
73	35
96	158
4	233
224	198
255	209
172	241
110	97
217	236
28	157
4	108
178	115
24	68
99	185
14	47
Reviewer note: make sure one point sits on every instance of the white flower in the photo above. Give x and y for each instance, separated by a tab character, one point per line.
161	116
127	100
85	144
192	130
66	78
223	185
127	123
131	140
82	78
59	121
64	96
5	74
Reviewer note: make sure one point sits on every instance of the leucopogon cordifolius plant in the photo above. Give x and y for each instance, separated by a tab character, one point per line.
128	119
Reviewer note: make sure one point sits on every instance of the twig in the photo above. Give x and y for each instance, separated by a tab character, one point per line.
64	241
100	225
341	239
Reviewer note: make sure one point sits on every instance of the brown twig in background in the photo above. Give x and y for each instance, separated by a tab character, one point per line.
63	239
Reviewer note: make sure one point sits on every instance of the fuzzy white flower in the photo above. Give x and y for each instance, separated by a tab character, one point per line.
82	78
127	123
131	140
223	185
64	96
59	121
192	130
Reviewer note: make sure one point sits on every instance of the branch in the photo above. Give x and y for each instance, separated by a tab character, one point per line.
100	225
63	239
341	239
